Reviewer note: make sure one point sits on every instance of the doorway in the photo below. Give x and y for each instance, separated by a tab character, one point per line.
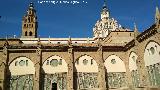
54	86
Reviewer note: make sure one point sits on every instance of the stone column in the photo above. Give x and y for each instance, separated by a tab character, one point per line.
141	66
38	66
128	72
5	74
2	76
101	70
70	69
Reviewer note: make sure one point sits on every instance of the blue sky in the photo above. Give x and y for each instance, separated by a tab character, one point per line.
64	20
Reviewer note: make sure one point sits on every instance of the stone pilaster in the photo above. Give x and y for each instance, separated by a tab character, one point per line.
4	73
5	68
38	66
70	69
128	72
2	70
141	66
101	70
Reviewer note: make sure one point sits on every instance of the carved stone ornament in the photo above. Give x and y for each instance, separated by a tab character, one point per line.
5	50
70	50
38	51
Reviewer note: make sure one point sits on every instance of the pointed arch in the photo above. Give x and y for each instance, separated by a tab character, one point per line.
132	61
30	33
87	62
26	33
152	53
54	64
152	62
21	66
113	62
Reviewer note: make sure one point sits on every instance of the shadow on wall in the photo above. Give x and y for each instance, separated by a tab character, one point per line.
7	80
106	79
42	78
75	77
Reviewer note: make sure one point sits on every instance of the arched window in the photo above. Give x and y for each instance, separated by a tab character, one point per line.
152	50
26	33
152	63
30	33
24	25
29	19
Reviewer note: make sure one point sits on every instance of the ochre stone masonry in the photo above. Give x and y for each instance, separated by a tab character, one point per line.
114	59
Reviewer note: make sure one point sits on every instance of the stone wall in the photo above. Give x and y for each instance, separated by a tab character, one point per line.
39	55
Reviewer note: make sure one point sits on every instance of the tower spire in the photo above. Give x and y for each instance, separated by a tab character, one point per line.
31	5
136	32
29	23
104	12
105	4
157	15
135	27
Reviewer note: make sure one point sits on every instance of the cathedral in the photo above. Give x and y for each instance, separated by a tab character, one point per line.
115	58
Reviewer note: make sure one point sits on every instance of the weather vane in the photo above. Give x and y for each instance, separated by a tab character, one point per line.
105	1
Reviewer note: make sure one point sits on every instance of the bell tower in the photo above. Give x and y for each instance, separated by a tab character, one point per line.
29	23
105	24
104	12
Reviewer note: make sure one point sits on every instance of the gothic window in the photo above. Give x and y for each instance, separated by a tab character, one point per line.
60	79
22	63
30	33
24	25
135	78
54	62
133	58
30	25
26	33
18	82
152	50
85	61
154	75
116	80
28	19
86	81
113	61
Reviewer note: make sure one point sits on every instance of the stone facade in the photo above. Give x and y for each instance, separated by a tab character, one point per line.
121	60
